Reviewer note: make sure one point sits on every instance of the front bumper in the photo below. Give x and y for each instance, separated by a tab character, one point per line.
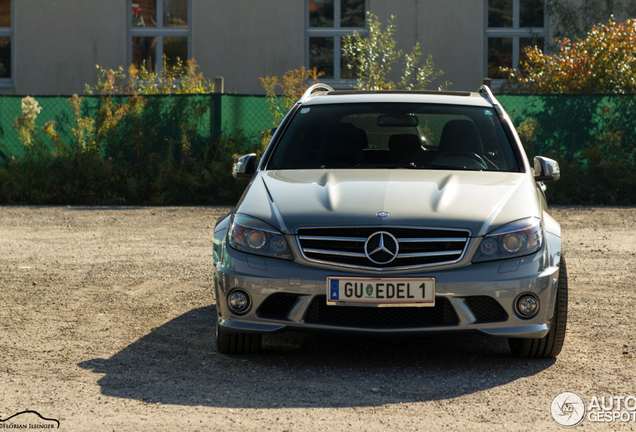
475	297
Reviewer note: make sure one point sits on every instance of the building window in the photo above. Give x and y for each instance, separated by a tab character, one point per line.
158	28
511	26
327	22
6	44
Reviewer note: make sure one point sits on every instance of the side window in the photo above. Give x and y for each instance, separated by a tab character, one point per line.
6	39
511	26
327	22
158	28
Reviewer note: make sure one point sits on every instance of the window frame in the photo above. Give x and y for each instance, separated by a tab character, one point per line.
160	32
336	32
10	33
516	33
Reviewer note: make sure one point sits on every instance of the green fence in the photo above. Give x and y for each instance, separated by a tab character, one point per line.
591	136
568	123
571	124
163	118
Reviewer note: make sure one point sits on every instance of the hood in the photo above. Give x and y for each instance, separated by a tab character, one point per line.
478	201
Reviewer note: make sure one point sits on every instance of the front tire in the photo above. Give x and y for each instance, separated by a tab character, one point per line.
550	345
236	343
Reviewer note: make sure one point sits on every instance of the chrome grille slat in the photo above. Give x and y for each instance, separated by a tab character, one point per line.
419	240
331	252
351	239
428	254
418	246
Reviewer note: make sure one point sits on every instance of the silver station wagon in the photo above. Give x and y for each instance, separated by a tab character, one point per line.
392	213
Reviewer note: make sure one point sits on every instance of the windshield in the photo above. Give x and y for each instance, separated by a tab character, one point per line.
394	135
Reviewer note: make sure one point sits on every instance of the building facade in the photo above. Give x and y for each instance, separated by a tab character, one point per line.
53	47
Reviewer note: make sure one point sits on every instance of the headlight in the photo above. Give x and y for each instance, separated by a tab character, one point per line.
523	237
256	237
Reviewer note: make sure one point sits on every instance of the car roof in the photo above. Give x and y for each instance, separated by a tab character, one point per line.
384	96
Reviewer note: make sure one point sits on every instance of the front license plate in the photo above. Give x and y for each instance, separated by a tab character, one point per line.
381	291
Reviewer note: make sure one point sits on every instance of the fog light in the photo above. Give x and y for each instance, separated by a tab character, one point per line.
238	301
527	305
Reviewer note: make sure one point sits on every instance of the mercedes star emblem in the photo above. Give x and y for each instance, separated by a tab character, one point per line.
381	247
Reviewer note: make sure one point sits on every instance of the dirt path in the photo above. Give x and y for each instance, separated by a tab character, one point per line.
106	324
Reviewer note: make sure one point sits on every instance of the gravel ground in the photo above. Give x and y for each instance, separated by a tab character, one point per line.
106	324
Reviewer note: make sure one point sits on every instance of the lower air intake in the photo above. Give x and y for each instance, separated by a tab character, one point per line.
442	314
277	306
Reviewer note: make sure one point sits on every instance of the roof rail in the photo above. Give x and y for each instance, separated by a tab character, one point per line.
426	92
310	90
487	94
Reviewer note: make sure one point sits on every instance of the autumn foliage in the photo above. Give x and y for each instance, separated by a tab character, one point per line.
602	63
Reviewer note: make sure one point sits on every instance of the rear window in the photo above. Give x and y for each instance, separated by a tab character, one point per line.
394	136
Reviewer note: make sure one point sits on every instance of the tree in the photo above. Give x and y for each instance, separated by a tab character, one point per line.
293	85
602	63
573	20
372	59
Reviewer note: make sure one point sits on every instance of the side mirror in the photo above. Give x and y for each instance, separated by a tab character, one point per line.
546	169
244	166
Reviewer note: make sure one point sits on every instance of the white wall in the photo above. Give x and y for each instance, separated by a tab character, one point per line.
452	31
57	43
243	40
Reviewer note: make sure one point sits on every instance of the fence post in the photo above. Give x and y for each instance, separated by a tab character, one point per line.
218	85
216	118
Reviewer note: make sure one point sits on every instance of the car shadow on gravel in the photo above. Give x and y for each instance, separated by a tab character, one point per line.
176	363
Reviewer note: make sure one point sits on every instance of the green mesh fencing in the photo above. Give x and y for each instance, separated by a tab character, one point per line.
569	124
591	136
163	121
53	108
169	152
246	115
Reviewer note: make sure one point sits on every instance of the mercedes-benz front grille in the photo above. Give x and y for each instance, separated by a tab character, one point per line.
382	247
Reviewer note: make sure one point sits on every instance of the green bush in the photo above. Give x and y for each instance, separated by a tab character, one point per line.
605	173
598	161
158	178
602	63
117	153
176	78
